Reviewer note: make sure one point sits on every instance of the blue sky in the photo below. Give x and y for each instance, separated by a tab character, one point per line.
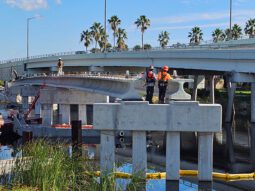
63	21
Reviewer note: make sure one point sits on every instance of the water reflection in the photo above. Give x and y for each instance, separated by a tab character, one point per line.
6	152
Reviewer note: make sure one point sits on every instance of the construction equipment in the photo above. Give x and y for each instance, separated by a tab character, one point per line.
34	101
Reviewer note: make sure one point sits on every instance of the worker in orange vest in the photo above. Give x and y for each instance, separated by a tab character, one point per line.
150	78
163	78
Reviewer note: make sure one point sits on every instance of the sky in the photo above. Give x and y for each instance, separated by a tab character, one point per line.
62	21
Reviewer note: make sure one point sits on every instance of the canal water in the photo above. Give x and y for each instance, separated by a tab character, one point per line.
191	184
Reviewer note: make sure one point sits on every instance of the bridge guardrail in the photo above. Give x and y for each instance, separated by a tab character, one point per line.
202	45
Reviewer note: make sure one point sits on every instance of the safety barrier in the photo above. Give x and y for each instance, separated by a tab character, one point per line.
6	166
172	118
185	173
67	126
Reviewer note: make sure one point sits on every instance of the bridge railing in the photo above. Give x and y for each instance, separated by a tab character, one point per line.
172	118
203	45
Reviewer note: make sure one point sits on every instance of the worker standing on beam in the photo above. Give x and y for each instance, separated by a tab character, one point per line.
163	78
60	67
150	78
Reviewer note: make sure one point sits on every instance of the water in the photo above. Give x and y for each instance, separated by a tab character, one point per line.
6	152
162	185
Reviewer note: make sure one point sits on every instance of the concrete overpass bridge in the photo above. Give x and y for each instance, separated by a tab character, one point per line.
195	60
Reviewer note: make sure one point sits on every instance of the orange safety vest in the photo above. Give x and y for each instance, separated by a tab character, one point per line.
162	77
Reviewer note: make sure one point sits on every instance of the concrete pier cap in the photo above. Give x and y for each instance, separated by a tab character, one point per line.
181	116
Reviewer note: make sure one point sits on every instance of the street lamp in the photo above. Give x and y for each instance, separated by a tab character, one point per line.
105	1
29	19
230	19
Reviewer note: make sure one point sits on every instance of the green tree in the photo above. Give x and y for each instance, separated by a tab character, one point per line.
143	23
218	35
121	37
114	21
163	39
250	28
236	32
86	36
137	47
195	35
96	31
147	46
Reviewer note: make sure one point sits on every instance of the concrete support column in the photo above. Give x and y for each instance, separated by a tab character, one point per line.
139	153
47	114
38	109
25	104
107	152
205	156
64	111
194	91
83	113
230	105
211	82
252	151
173	156
228	121
253	102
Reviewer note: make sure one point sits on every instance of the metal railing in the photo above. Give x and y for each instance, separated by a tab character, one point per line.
202	45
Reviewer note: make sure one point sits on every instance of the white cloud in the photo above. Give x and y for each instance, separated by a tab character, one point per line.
58	2
29	5
223	24
193	17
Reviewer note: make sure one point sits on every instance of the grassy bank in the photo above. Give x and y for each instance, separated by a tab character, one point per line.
45	166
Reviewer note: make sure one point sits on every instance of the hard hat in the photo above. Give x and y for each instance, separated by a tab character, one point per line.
151	67
59	59
165	68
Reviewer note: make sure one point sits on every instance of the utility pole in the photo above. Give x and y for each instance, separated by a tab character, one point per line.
230	20
105	7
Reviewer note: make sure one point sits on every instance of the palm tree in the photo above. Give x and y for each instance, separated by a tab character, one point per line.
143	23
121	36
218	35
195	35
228	34
103	39
86	36
114	21
163	39
236	32
96	31
250	28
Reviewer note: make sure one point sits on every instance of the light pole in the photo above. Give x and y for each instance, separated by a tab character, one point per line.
29	19
105	7
230	19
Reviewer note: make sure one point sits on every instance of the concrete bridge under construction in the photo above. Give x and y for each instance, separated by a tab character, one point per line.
82	89
235	62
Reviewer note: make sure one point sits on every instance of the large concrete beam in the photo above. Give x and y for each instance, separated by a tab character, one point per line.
176	116
115	87
67	96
